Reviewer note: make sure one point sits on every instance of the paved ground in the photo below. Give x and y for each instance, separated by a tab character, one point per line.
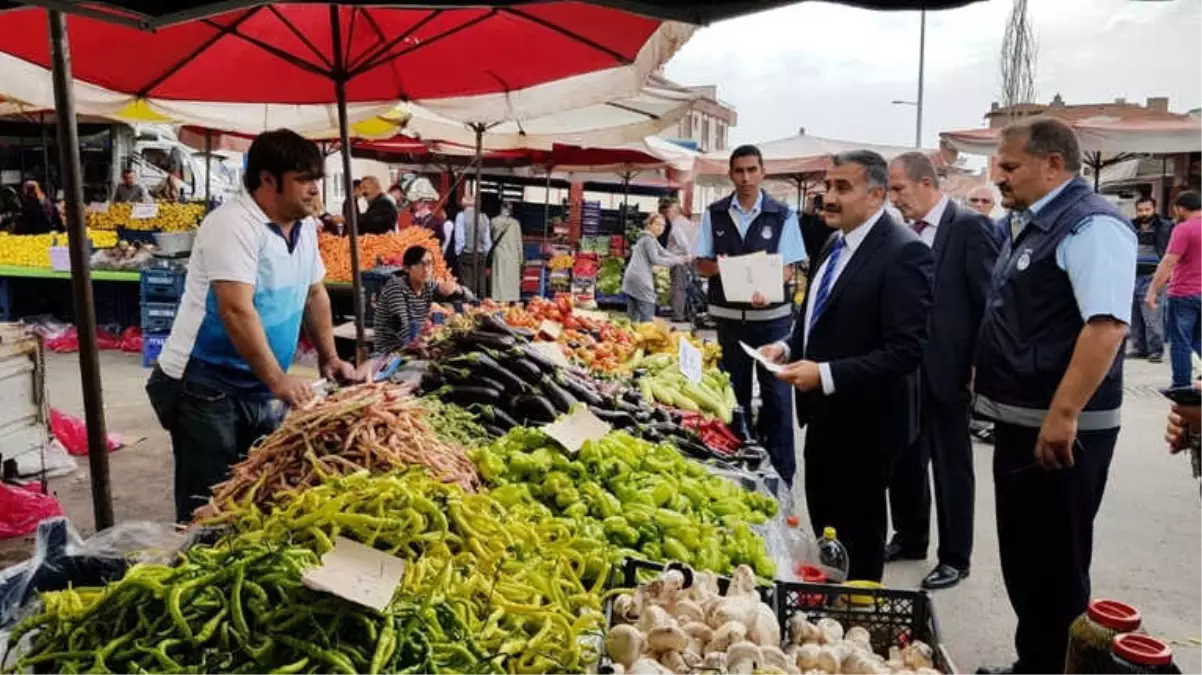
1148	533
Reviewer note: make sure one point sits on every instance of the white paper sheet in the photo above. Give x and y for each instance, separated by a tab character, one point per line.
743	275
755	354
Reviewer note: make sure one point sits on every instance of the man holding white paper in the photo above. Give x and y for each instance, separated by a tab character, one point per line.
750	222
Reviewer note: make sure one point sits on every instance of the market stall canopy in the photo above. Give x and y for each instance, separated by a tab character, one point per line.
1103	134
472	64
154	13
649	153
800	155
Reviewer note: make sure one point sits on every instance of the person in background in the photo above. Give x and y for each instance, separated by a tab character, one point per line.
1181	269
749	221
1147	325
352	200
1184	426
10	208
964	250
254	281
638	283
128	190
39	215
171	189
680	244
472	242
814	230
507	256
982	200
381	214
397	194
404	303
854	357
1049	373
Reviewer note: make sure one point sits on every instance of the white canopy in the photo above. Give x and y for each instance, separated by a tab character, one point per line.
1107	135
798	155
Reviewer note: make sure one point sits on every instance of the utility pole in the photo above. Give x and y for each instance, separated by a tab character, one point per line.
922	57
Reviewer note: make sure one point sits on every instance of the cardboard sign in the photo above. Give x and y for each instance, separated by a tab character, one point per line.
690	360
572	430
357	573
552	352
143	211
599	317
97	207
551	329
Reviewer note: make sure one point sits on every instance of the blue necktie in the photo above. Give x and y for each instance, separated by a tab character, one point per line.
828	277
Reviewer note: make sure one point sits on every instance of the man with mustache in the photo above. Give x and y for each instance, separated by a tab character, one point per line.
1147	325
1050	375
855	353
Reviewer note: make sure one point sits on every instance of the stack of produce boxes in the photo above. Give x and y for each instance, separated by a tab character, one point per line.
162	289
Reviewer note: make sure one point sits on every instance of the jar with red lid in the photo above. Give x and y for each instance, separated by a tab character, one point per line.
1092	634
1133	653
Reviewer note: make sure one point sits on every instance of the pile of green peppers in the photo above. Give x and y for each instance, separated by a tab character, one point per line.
644	498
242	610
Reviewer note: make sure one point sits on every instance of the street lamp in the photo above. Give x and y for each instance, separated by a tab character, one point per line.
922	54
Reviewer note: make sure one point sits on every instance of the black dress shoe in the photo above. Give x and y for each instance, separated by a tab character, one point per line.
995	670
895	551
944	576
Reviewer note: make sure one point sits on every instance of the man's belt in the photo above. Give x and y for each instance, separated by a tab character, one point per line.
1089	420
768	314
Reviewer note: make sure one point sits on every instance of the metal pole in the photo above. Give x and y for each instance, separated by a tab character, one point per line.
478	262
81	276
208	168
45	155
922	57
352	223
547	209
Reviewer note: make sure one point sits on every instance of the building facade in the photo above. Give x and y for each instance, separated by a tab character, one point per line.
706	127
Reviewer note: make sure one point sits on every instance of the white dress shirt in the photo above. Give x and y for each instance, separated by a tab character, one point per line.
851	242
932	219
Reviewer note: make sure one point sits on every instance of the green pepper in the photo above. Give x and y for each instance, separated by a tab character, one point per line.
675	550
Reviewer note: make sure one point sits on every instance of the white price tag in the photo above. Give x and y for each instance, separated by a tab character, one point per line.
144	211
591	315
551	329
97	207
552	352
357	573
690	360
574	429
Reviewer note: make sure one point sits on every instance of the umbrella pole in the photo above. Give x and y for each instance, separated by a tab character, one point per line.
45	155
81	275
478	261
547	210
352	224
208	168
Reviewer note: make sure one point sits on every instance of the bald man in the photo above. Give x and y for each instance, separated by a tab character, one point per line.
381	214
982	200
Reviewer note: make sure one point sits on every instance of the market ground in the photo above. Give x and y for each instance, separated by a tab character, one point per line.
1149	533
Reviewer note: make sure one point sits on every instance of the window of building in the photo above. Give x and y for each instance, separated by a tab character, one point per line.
705	132
720	140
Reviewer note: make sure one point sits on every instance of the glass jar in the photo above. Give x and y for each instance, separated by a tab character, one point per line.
1133	653
1092	634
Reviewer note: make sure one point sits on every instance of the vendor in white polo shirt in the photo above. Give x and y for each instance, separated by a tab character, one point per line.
255	277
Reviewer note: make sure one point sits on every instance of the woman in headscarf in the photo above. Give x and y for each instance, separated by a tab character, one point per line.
424	202
39	215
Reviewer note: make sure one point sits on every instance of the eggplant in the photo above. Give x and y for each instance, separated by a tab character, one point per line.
628	408
578	389
651	435
483	365
669	429
431	380
531	408
693	449
466	394
525	369
495	416
491	323
524	333
632	396
662	416
617	418
557	395
483	338
495	432
543	363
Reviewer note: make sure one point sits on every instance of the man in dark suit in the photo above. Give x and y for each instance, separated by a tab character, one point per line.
855	352
965	250
381	214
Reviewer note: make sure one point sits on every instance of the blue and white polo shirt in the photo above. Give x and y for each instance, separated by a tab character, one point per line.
237	242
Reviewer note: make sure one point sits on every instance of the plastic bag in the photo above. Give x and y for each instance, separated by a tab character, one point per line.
66	341
72	432
61	559
131	340
107	340
23	507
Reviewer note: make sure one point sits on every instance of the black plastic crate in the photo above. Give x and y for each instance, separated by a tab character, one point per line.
158	317
162	284
891	616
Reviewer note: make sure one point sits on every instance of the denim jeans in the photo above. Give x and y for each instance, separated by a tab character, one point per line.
639	311
210	432
1184	321
1147	324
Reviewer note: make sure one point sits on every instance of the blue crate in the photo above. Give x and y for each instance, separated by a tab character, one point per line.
163	285
157	317
152	346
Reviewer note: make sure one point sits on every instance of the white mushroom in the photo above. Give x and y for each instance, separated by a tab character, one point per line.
832	631
860	636
705	587
727	635
743	658
624	644
667	637
674	662
863	663
699	636
773	657
762	626
827	660
687	611
648	666
626	609
715	661
802	631
807	656
917	655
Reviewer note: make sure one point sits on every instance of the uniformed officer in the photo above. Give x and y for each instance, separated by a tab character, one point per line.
749	221
1049	373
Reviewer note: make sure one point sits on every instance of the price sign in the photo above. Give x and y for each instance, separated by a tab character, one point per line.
143	211
357	573
690	360
552	352
572	431
97	207
551	329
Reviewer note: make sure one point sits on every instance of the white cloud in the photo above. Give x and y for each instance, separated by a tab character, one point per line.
834	70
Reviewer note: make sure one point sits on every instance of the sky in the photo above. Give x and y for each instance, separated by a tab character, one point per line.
835	70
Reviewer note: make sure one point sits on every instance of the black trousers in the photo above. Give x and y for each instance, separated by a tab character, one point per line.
845	480
943	444
1045	537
